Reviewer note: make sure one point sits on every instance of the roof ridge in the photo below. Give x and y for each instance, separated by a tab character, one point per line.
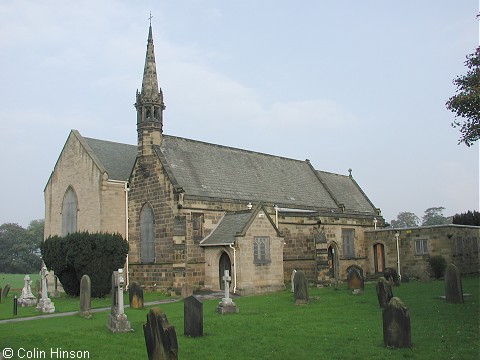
109	141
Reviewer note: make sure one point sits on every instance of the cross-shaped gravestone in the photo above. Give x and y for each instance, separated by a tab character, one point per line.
45	305
226	279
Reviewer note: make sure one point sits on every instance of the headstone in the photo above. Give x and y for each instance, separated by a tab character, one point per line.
5	291
226	306
135	296
292	277
45	305
391	275
355	278
396	325
160	337
192	317
117	320
300	293
56	292
1	291
405	278
187	290
27	298
424	277
85	296
453	285
384	292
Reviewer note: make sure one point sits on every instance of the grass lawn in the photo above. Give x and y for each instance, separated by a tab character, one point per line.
16	280
335	325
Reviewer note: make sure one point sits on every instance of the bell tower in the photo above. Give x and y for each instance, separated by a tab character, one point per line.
149	104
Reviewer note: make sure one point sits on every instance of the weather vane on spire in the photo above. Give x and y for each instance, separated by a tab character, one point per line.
150	18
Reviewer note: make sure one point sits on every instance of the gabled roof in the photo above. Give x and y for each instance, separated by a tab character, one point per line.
116	158
347	192
234	224
208	170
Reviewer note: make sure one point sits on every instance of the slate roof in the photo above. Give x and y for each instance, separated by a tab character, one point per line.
221	172
347	192
230	224
117	158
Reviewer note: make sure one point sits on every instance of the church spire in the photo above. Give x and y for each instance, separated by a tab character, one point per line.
149	103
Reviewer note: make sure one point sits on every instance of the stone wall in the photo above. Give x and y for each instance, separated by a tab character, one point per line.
458	244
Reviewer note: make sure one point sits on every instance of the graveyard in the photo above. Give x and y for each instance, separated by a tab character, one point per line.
334	323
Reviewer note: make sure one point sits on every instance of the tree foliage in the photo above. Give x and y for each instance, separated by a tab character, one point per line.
405	219
19	247
468	218
434	216
96	255
438	264
466	102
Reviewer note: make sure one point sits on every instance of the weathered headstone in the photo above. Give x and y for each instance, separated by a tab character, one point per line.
226	306
85	296
453	285
27	298
355	278
300	293
117	320
424	277
135	296
5	291
192	317
291	279
160	337
44	304
384	291
187	290
391	275
396	325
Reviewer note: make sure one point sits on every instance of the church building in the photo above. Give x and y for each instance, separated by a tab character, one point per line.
190	209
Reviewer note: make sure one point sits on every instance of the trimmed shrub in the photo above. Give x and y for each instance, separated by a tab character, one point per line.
96	255
438	265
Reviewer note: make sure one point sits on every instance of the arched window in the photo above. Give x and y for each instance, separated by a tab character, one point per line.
147	248
69	212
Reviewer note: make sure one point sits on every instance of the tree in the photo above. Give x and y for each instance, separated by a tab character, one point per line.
466	103
468	218
434	216
405	219
18	250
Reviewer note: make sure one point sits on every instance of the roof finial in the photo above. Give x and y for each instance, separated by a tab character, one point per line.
350	172
150	18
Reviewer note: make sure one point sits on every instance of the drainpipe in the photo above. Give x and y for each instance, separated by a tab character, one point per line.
234	268
276	215
397	235
126	233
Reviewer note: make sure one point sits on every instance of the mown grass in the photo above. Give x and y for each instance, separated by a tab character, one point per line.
335	325
16	280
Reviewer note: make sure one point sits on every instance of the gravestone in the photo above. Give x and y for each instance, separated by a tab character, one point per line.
291	279
384	291
424	277
226	306
5	291
135	296
396	325
300	293
192	317
187	290
453	285
355	278
117	320
160	337
1	291
44	304
85	296
27	298
391	275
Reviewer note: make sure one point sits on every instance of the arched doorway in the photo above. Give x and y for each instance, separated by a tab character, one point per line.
379	257
223	264
333	261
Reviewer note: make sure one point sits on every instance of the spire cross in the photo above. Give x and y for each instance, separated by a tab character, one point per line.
150	18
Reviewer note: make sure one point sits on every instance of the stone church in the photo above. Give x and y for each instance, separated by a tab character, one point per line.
190	210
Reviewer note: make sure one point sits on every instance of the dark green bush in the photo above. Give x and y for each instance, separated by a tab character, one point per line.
438	265
96	255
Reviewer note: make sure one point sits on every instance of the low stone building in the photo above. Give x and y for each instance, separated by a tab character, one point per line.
458	244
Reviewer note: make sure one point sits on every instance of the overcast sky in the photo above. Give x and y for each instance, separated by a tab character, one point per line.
346	84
